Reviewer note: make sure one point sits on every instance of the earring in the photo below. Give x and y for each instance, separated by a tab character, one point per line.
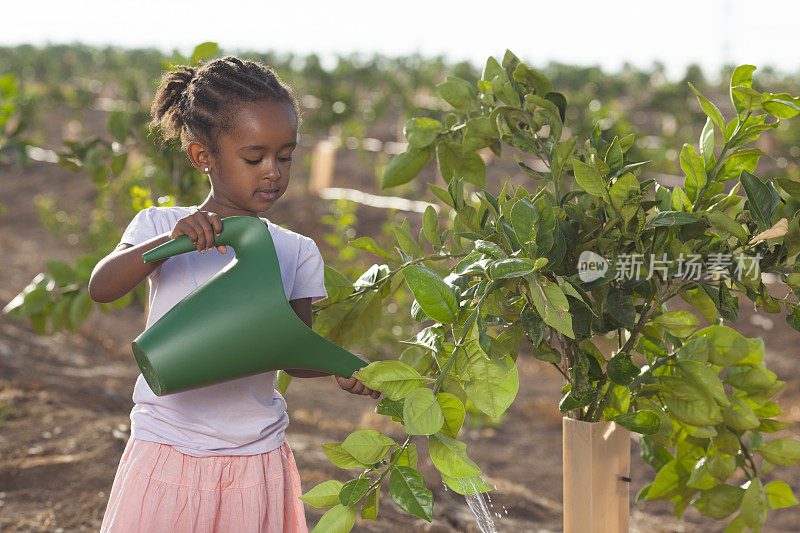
205	169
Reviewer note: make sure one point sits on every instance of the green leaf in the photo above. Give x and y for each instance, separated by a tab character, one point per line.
405	167
80	308
454	413
422	414
420	132
654	454
779	494
494	385
740	415
442	194
337	286
353	491
369	244
781	451
338	519
551	304
407	242
326	494
491	69
471	168
510	268
709	109
450	456
395	379
119	125
625	188
367	445
672	218
742	76
59	313
62	273
706	378
430	225
341	458
727	345
644	421
667	481
369	509
752	380
459	93
725	224
524	219
689	403
707	142
408	457
35	301
780	107
721	465
754	505
700	477
720	501
694	168
466	485
561	157
748	98
588	178
436	298
407	488
761	199
621	369
680	323
480	132
203	51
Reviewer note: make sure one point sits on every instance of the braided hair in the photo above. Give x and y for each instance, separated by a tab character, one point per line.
196	104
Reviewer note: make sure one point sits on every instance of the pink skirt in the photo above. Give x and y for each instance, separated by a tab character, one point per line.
159	489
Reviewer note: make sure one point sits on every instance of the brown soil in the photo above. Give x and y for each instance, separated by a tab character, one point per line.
68	398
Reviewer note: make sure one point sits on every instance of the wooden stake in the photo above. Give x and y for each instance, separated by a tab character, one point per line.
323	162
597	456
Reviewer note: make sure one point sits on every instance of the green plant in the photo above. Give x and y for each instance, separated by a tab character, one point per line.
12	122
521	276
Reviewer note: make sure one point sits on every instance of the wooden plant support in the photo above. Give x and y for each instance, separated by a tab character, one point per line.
323	162
597	462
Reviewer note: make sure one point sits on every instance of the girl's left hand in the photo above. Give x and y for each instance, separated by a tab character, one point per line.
353	386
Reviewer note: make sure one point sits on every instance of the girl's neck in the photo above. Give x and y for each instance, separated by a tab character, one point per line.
224	210
205	206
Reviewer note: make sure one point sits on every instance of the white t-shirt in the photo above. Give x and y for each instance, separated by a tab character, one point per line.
244	416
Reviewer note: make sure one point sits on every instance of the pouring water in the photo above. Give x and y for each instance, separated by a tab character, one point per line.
477	504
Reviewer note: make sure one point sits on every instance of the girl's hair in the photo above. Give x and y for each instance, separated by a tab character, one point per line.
196	104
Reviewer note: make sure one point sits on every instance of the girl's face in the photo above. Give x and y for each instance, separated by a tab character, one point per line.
252	168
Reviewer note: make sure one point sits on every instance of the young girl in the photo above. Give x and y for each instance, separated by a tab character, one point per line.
215	458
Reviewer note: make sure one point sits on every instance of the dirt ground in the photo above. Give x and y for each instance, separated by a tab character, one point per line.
68	399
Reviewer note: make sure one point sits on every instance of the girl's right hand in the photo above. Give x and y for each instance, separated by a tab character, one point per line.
201	227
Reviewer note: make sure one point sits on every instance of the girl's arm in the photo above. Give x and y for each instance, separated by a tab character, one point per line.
122	270
302	308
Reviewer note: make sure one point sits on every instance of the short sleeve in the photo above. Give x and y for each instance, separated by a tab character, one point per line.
309	280
142	228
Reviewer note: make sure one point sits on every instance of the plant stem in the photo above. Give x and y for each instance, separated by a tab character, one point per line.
749	457
391	465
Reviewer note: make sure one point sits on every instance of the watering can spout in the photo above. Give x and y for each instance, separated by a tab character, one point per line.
236	324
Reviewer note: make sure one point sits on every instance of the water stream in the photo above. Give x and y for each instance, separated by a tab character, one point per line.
478	505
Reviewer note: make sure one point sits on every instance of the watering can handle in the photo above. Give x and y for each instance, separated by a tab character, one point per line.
183	244
179	245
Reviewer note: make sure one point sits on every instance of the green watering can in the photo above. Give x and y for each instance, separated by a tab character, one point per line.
236	324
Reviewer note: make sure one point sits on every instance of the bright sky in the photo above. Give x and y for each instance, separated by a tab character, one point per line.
586	32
